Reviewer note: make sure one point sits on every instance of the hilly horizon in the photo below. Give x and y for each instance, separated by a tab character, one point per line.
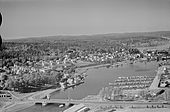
95	36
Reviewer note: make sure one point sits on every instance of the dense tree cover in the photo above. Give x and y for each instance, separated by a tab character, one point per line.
3	79
134	51
29	81
34	51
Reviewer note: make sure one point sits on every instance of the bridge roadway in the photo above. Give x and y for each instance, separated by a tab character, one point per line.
66	101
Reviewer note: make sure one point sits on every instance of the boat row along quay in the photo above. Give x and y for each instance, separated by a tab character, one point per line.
140	88
133	82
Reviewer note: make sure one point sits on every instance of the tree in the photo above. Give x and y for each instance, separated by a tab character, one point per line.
3	77
9	84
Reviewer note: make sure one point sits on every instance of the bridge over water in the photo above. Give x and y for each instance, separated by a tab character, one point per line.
116	103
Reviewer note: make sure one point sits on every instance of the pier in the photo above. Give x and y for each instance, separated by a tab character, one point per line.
133	82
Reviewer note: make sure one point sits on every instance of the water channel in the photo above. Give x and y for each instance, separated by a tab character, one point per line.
96	79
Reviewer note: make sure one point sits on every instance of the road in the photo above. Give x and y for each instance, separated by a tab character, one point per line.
116	103
95	102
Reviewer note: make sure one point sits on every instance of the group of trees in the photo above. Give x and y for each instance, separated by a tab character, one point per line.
3	79
29	82
134	51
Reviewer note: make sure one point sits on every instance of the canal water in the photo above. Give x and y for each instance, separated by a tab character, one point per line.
98	78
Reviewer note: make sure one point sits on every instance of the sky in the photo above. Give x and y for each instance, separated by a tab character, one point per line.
35	18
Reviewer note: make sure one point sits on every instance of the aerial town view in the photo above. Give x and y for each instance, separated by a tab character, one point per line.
84	56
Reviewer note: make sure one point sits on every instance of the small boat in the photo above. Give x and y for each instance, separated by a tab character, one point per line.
44	103
61	106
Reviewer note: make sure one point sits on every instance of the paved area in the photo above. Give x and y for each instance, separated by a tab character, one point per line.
145	110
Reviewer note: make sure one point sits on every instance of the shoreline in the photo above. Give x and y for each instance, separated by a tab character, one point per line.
40	94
